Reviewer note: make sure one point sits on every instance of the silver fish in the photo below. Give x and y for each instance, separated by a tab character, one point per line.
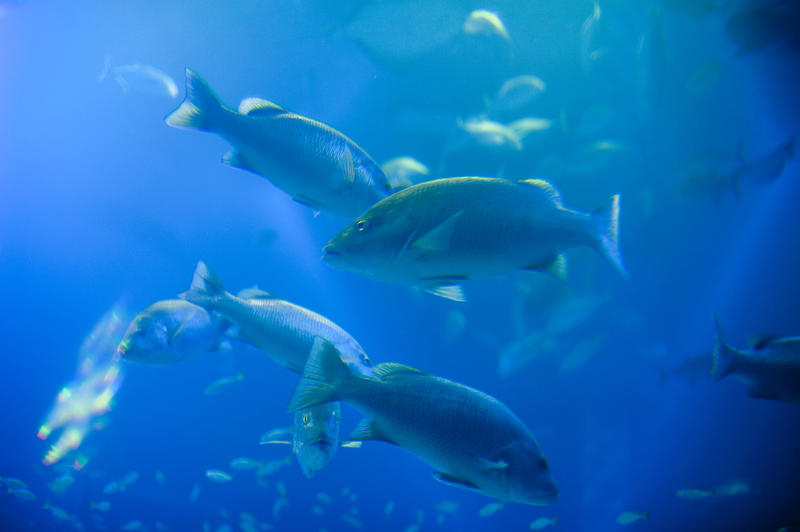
471	439
626	518
169	331
771	368
312	162
281	329
438	233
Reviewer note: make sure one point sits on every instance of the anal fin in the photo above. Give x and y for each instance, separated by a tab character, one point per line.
454	482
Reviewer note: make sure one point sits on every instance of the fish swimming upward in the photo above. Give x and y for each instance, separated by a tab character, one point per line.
472	440
312	162
439	233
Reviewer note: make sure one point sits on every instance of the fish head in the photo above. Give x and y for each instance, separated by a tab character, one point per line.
372	243
146	339
316	436
525	474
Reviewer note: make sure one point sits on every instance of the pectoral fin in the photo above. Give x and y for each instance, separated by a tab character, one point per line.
495	465
235	159
760	392
350	444
438	238
453	292
454	482
366	430
348	166
556	266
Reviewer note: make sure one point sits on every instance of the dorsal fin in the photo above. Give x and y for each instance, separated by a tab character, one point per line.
760	341
367	430
259	107
391	369
547	189
254	292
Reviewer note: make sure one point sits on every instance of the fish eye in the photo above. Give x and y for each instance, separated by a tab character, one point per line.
543	465
306	419
362	225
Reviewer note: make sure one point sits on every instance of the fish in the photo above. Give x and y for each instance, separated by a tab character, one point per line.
58	513
516	94
515	356
352	521
317	510
491	134
403	172
543	522
132	525
315	164
21	493
439	233
316	436
244	464
195	493
170	331
160	477
129	478
447	507
471	439
737	487
323	497
280	503
388	509
60	484
524	127
490	509
485	23
140	78
626	518
113	487
218	475
102	506
273	466
13	482
692	494
222	383
283	330
771	368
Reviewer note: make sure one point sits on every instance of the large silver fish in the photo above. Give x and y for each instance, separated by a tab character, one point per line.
471	439
171	330
283	330
312	162
771	367
438	233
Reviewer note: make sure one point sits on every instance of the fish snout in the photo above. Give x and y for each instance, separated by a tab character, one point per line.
548	494
332	255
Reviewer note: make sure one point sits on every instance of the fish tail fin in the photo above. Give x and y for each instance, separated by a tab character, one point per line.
646	515
205	288
607	222
324	377
201	109
106	68
723	356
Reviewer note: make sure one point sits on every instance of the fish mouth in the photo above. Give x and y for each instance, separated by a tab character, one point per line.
332	255
323	444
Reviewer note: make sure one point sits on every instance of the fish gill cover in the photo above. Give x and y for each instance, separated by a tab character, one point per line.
404	265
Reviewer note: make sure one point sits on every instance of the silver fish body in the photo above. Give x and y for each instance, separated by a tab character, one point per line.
169	331
312	162
438	233
471	439
283	330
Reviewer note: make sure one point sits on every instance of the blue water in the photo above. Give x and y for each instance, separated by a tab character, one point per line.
101	202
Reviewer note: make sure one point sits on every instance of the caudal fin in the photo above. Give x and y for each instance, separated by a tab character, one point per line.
201	109
324	377
206	287
607	223
723	356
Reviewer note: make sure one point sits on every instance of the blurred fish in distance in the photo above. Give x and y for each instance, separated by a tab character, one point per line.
143	79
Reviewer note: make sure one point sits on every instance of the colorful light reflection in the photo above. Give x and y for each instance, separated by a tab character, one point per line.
91	393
